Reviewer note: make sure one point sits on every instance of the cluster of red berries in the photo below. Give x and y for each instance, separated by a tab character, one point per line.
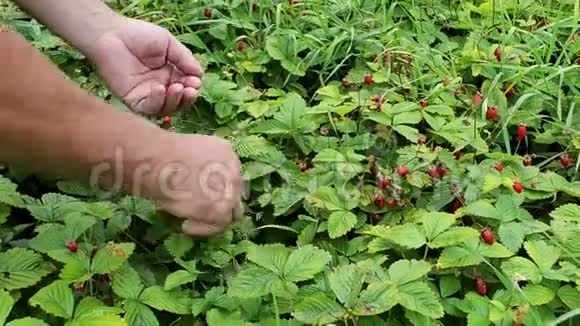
438	171
383	183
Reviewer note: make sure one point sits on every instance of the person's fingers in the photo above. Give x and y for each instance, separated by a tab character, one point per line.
189	97
147	99
200	229
182	58
191	81
173	97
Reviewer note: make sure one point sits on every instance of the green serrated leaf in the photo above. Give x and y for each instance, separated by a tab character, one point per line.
567	212
457	257
544	255
304	263
418	296
139	314
376	299
178	278
252	282
570	296
318	309
111	256
126	282
538	294
178	244
175	301
454	235
56	299
405	271
519	269
6	303
27	321
436	222
269	256
340	222
346	282
21	268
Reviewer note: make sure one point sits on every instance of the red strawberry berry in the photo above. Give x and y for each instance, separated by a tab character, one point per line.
442	169
480	286
391	203
207	13
518	187
368	79
72	246
477	98
403	170
384	183
522	131
499	166
375	218
487	236
497	53
345	83
423	103
374	170
167	120
455	205
434	172
491	113
565	160
380	201
527	160
241	46
304	166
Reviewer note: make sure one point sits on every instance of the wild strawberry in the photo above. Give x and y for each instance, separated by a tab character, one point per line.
304	166
527	160
565	160
375	218
422	139
518	187
434	172
384	183
72	246
491	113
241	46
477	98
487	236
380	201
391	203
374	170
402	170
499	166
207	13
522	131
368	79
497	53
455	205
167	120
423	103
458	155
345	83
480	286
442	170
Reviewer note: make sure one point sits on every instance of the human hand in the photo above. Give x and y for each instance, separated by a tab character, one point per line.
147	67
197	178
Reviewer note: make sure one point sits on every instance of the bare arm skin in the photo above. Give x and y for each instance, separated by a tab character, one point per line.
49	124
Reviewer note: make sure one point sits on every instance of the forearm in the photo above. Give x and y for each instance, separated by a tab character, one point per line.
79	22
48	124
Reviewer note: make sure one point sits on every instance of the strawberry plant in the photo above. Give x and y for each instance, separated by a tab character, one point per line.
389	152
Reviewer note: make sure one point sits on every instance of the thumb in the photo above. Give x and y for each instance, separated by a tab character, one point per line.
147	99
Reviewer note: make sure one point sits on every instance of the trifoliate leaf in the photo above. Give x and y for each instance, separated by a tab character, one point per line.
252	282
436	222
538	294
521	269
178	244
544	255
21	268
56	299
404	271
419	297
52	207
511	235
570	296
457	257
6	303
305	262
111	256
175	301
340	222
454	235
178	278
377	298
318	309
346	282
269	256
126	282
567	212
139	314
